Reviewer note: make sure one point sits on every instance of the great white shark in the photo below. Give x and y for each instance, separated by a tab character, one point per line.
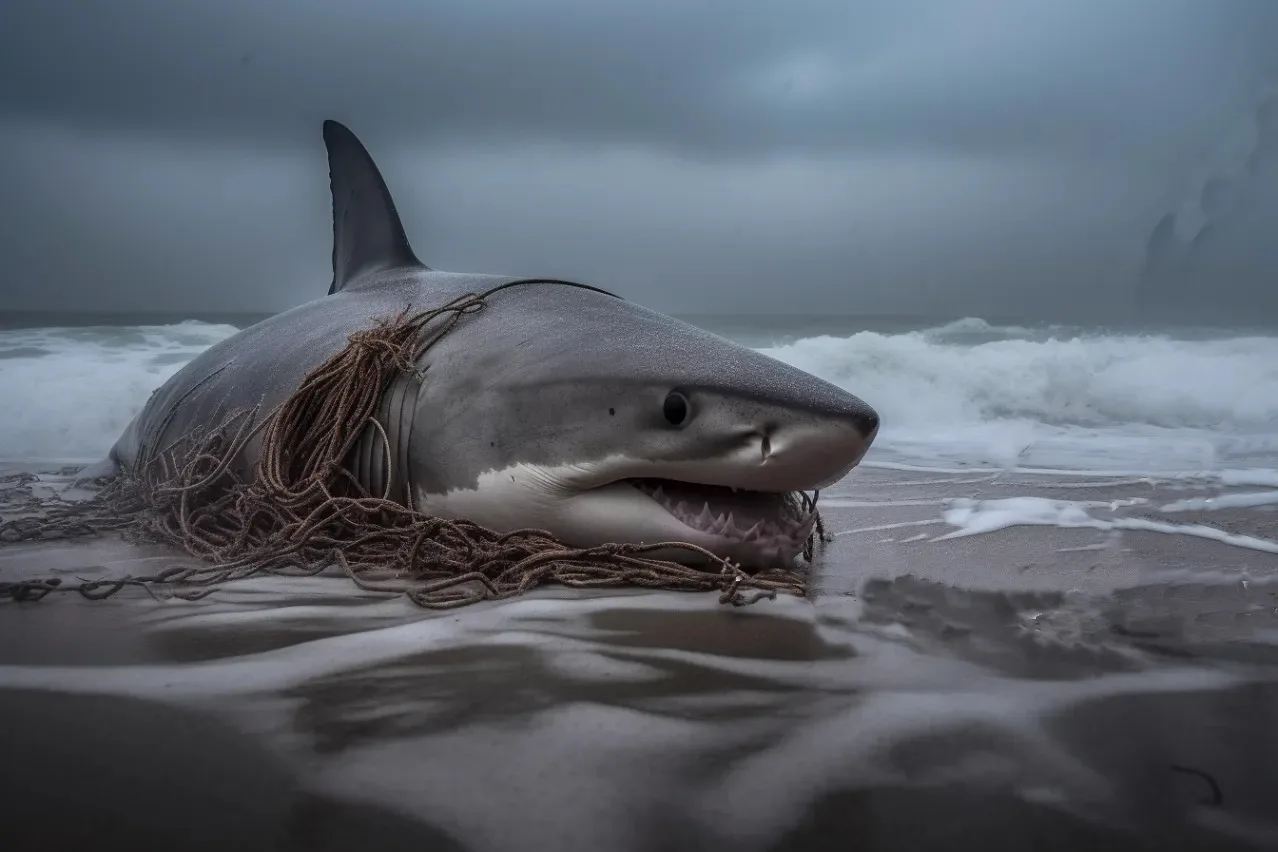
556	407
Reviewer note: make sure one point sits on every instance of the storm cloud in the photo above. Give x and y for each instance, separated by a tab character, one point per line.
979	157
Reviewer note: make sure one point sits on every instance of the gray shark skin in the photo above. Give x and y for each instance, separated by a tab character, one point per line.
554	407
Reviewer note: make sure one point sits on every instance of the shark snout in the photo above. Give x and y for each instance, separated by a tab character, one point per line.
803	454
865	421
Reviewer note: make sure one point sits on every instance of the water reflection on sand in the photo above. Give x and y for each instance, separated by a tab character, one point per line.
1031	687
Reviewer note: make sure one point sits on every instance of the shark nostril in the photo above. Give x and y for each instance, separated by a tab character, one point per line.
765	446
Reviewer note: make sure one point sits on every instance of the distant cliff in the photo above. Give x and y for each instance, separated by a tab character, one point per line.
1225	270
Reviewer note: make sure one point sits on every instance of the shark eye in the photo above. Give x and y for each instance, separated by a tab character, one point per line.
675	408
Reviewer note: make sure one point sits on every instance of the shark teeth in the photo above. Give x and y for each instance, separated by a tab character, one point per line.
766	522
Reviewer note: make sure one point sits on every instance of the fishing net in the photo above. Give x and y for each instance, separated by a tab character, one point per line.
300	511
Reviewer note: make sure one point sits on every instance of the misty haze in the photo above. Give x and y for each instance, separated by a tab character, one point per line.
1005	160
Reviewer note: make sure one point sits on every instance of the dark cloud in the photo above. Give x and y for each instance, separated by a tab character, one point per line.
712	76
967	156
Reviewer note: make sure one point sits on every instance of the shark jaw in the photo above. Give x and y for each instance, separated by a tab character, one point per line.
763	528
754	528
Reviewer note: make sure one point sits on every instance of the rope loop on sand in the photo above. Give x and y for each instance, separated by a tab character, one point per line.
300	511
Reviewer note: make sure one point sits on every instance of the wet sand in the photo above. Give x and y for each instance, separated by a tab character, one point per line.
1026	687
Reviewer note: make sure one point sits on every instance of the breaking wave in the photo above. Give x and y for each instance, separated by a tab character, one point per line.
966	393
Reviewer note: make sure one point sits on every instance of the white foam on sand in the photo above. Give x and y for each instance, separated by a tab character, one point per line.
1264	478
1224	501
974	517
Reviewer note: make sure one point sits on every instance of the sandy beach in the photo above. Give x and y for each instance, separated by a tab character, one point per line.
1032	680
1125	544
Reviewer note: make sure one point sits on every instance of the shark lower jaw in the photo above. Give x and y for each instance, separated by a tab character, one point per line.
755	528
588	507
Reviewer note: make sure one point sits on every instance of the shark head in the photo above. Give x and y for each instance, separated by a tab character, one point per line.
600	421
566	409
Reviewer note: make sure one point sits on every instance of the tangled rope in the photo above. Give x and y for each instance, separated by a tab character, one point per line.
300	510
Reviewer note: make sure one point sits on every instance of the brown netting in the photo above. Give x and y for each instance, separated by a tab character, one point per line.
301	511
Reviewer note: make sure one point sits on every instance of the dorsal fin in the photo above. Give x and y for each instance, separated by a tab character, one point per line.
367	234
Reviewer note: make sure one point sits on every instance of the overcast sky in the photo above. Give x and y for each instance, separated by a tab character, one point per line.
968	157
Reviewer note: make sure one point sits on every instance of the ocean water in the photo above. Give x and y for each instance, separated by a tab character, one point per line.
1075	650
953	395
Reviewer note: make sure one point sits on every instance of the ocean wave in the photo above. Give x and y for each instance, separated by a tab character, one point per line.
69	392
1078	401
966	393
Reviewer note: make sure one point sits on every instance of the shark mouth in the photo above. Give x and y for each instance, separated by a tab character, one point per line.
767	525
